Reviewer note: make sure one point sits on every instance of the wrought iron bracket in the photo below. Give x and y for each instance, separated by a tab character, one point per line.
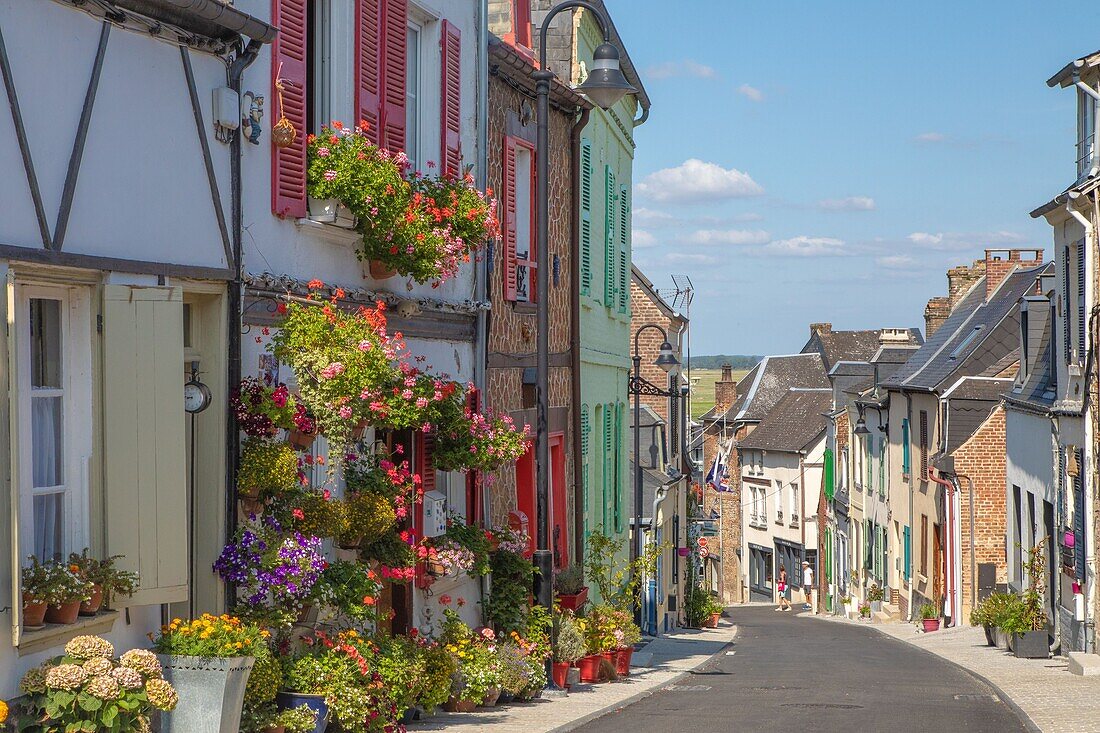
638	385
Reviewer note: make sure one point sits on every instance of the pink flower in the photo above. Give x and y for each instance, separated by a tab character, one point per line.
332	371
365	345
330	175
445	599
407	394
345	412
323	152
421	402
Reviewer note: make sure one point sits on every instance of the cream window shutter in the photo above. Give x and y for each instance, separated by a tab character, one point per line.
143	438
10	338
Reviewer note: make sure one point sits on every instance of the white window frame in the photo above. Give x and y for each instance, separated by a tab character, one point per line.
76	412
1086	133
414	95
794	502
428	102
332	27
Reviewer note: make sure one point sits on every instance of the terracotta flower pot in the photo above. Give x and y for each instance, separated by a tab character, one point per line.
275	729
300	440
458	705
712	621
491	697
34	612
379	270
252	506
573	601
622	660
930	624
66	613
91	606
590	667
560	672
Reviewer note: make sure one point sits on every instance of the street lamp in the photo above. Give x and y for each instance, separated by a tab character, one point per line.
605	86
666	359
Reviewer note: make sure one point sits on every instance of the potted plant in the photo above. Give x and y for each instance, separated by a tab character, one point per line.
989	612
106	579
208	660
65	589
313	513
713	612
472	441
875	594
515	674
508	604
439	667
570	588
1026	622
310	677
349	588
263	409
846	602
865	611
626	634
568	648
88	689
929	617
270	719
36	593
478	668
268	468
367	516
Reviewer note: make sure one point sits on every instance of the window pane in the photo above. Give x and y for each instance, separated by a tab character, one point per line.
49	511
412	97
46	441
45	343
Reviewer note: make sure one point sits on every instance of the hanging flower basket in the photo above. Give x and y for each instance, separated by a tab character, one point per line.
299	440
379	270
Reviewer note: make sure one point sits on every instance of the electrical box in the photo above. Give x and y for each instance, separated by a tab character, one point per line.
435	513
227	108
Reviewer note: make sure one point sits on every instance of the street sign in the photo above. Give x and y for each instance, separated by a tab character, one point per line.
702	542
704	551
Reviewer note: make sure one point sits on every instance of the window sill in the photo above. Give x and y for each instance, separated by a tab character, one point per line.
524	308
55	635
329	232
794	523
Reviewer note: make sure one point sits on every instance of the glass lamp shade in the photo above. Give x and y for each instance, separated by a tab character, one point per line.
605	84
666	359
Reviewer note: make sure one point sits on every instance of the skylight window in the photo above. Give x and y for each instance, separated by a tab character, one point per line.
966	341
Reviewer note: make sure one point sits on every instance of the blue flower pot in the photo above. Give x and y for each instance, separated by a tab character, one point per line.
291	700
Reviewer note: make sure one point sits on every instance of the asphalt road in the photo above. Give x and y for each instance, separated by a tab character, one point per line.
789	673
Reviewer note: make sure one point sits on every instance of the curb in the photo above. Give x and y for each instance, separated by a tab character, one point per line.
641	694
1004	698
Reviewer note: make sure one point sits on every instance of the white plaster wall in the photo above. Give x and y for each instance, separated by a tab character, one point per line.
142	191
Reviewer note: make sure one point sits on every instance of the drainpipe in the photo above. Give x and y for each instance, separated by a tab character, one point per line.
973	556
658	499
912	579
481	269
950	549
236	294
579	509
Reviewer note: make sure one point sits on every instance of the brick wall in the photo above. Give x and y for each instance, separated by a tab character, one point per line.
982	458
512	327
644	310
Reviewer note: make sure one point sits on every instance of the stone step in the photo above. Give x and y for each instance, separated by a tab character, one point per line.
1084	664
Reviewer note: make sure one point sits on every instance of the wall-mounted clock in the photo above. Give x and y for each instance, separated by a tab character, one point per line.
196	396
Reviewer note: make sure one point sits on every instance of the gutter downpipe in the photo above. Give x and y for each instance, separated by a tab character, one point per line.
579	507
973	556
912	579
481	269
236	295
949	537
658	499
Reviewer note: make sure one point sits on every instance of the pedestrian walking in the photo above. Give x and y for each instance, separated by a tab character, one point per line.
784	588
807	585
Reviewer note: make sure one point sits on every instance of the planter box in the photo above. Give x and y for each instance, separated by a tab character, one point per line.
331	211
590	667
930	624
573	601
290	700
1031	645
1000	638
990	635
211	693
876	606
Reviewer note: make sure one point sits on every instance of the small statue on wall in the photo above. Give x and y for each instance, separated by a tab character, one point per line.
252	107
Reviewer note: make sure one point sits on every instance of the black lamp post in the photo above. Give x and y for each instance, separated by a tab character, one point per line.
605	86
638	386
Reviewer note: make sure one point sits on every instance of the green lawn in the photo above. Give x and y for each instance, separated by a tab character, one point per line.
702	390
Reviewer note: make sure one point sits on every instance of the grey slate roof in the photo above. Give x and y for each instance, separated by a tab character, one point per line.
836	346
978	388
795	421
767	383
969	402
1033	392
976	336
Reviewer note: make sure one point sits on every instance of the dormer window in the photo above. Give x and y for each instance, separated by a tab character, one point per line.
1086	133
1025	353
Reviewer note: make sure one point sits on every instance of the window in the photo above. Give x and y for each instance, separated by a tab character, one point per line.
924	545
330	92
958	350
923	437
905	447
794	503
518	234
54	423
511	20
412	96
1086	132
1024	353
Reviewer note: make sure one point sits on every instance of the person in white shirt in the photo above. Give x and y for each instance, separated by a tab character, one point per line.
807	585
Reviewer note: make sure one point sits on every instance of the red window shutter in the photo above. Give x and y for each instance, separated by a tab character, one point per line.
508	231
450	124
288	67
395	28
368	58
425	465
521	23
473	493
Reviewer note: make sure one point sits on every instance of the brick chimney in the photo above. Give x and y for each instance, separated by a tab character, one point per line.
999	263
725	390
960	279
935	313
820	328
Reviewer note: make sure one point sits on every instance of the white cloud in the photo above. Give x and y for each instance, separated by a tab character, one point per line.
952	241
670	69
641	239
729	236
652	217
696	181
803	246
931	137
849	203
896	262
679	258
751	92
925	238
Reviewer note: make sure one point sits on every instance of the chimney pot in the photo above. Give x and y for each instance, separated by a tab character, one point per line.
819	328
727	372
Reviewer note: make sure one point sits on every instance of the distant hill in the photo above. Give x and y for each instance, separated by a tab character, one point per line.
739	362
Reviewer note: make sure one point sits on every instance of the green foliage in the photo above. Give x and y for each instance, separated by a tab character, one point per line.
992	610
367	518
261	718
264	680
569	581
438	668
570	645
54	583
318	513
618	581
875	593
738	362
697	606
268	468
350	588
389	550
929	611
400	665
515	674
513	581
103	573
474	539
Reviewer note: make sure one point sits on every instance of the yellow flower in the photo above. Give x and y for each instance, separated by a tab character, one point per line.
3	711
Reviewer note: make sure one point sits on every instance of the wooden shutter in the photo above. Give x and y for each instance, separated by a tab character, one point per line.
608	463
924	545
905	446
620	469
288	66
923	446
1079	517
425	464
1081	315
450	123
368	60
394	38
145	493
586	216
508	229
1067	305
586	447
624	248
609	279
8	412
906	566
473	492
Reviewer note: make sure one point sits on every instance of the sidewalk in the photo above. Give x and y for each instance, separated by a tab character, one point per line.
1042	690
668	658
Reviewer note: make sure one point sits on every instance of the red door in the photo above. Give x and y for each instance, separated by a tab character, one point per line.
559	529
525	493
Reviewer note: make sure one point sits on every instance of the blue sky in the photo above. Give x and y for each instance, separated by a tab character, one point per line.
809	161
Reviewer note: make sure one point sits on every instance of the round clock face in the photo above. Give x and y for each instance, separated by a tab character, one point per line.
196	396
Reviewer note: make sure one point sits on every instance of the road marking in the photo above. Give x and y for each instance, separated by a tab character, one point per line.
689	688
730	654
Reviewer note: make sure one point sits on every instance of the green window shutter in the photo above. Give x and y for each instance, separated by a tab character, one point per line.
609	279
586	216
882	467
586	447
905	446
624	249
905	540
143	449
830	490
608	464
